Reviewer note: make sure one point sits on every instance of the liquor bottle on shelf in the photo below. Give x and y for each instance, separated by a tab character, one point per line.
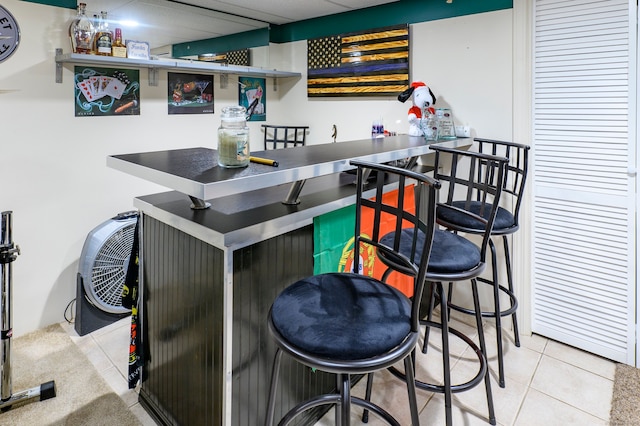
96	26
104	39
118	48
81	32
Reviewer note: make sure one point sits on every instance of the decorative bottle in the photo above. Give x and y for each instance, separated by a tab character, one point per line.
103	39
118	49
446	129
430	127
81	32
233	137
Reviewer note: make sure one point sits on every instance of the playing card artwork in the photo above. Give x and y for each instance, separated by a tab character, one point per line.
106	91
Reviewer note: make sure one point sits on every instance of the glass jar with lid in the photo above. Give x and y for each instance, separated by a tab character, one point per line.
233	137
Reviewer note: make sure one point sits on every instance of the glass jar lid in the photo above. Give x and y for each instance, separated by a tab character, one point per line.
234	113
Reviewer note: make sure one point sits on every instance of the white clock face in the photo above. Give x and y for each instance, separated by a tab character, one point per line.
9	34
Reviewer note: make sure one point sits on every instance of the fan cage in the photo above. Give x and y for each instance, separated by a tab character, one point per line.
104	263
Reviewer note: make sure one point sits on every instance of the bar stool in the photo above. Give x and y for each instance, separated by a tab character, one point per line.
278	136
506	223
456	259
351	323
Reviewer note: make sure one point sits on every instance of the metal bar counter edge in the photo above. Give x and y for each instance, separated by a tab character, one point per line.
246	203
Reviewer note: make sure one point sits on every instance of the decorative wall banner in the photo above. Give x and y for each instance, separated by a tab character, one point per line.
190	93
251	96
333	240
368	63
106	91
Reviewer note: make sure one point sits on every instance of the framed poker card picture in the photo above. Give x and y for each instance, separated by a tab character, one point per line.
106	91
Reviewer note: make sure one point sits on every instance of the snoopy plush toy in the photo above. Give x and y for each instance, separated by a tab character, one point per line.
423	99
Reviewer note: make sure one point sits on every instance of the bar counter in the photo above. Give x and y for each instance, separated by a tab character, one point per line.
210	274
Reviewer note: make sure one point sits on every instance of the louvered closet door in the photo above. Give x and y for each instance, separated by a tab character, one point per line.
583	194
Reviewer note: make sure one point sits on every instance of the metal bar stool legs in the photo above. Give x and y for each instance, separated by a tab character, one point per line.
271	404
498	311
448	389
342	400
514	318
483	372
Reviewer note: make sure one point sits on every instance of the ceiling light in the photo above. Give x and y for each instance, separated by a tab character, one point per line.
129	24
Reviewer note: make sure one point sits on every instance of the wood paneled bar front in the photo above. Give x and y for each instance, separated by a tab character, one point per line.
215	251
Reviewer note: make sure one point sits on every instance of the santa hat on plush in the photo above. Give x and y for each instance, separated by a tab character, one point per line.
418	86
423	99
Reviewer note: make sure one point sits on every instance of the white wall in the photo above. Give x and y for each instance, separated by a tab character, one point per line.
53	165
467	62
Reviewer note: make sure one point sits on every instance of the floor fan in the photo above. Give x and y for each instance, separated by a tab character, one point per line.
101	273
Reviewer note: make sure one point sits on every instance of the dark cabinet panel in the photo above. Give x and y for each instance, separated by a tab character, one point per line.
184	322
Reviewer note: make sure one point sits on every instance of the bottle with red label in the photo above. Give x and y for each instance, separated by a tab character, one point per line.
118	48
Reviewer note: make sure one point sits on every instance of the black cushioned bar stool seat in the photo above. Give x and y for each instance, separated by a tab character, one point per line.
349	323
378	316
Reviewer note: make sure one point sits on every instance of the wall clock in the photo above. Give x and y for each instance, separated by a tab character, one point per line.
9	34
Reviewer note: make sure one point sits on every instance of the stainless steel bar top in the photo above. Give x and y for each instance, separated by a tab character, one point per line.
243	219
195	171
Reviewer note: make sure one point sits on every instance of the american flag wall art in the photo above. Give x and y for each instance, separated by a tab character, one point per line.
369	63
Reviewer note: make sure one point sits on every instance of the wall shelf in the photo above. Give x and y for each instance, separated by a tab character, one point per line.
170	64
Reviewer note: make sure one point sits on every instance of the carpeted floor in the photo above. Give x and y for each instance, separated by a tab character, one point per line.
83	397
625	403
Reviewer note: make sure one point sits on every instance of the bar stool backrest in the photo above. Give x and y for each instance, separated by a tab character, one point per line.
279	136
472	187
406	215
517	169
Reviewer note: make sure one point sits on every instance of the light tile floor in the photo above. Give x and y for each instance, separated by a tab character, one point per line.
108	350
547	383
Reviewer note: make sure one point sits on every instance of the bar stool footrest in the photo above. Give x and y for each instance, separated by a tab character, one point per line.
457	387
335	399
489	314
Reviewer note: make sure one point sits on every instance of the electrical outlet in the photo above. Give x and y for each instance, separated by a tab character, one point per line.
463	131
